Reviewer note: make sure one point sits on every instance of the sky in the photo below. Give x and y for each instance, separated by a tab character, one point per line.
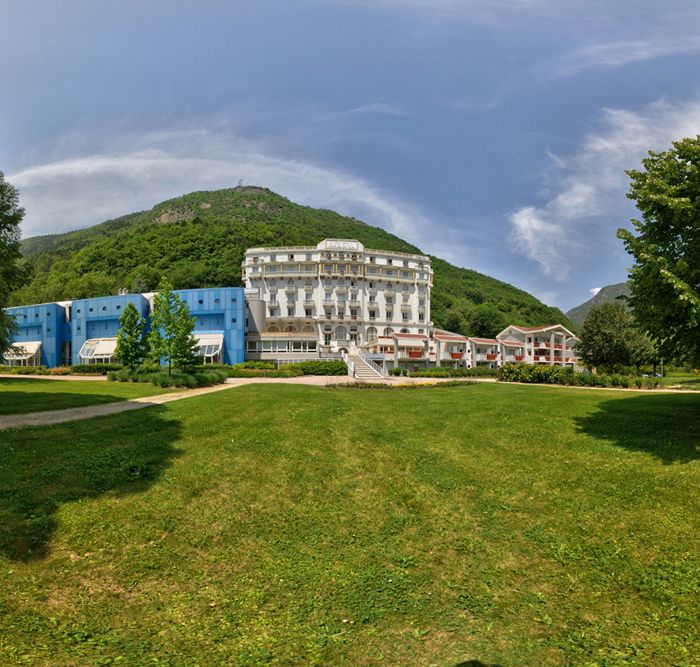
492	133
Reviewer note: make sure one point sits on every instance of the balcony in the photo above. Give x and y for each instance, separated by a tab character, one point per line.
290	290
328	303
491	357
389	292
372	291
273	303
518	357
309	303
411	354
341	289
353	289
354	303
405	307
456	355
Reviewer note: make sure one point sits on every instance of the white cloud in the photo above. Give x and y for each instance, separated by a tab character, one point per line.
140	170
586	190
618	53
595	290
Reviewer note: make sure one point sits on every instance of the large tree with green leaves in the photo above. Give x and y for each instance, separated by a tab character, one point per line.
131	345
12	271
665	277
172	334
610	339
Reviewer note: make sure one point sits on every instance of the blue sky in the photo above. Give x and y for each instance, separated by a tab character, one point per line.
494	133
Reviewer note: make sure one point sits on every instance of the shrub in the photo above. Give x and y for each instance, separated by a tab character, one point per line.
321	367
200	378
259	365
94	369
444	371
556	375
288	371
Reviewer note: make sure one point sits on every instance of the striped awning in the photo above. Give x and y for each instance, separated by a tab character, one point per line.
209	344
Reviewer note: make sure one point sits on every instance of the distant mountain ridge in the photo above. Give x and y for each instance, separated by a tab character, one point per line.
199	239
605	295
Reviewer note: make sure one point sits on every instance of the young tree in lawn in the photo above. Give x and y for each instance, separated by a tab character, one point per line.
171	338
665	278
605	337
12	271
131	346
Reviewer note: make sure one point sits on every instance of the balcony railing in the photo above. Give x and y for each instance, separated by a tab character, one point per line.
491	357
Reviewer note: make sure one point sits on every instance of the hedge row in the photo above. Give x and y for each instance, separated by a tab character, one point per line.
445	372
78	369
203	377
530	373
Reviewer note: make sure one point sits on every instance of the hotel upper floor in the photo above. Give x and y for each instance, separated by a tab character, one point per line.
336	259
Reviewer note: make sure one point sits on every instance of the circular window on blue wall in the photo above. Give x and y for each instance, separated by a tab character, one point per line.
200	301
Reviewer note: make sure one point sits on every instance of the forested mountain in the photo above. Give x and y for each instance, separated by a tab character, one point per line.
198	240
605	295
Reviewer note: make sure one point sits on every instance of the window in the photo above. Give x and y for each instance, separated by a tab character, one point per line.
341	333
389	261
308	312
371	333
290	257
388	331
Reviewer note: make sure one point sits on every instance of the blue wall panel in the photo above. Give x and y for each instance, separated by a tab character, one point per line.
43	322
98	317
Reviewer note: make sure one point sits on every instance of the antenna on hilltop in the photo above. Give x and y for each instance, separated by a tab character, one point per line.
240	182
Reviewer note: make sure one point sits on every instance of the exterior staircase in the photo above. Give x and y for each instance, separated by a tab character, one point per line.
365	370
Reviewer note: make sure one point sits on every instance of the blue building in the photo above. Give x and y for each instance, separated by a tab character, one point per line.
219	322
94	326
85	331
43	337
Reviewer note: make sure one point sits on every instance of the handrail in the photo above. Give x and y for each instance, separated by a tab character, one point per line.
371	363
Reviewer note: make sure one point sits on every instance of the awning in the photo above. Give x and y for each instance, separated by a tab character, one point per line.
98	348
209	344
412	341
22	351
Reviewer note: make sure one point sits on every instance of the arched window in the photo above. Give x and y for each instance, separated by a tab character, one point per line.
290	329
388	331
371	333
341	333
404	330
272	329
308	329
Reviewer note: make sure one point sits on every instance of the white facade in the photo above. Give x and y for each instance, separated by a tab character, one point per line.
550	344
335	297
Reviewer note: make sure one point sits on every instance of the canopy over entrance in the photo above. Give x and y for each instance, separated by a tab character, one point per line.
98	350
209	347
24	354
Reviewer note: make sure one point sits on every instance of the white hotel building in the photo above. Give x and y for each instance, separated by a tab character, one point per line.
339	298
335	297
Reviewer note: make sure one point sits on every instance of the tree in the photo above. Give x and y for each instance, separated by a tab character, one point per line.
12	271
171	337
131	347
665	277
486	320
641	348
610	339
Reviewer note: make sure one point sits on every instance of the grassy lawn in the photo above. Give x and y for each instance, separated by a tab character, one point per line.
289	525
686	380
20	395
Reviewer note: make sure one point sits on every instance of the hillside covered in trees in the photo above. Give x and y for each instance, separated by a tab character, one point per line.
198	240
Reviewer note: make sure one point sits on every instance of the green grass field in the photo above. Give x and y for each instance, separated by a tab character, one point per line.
289	525
685	379
22	395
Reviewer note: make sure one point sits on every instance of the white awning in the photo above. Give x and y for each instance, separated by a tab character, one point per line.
22	351
98	348
209	344
410	341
